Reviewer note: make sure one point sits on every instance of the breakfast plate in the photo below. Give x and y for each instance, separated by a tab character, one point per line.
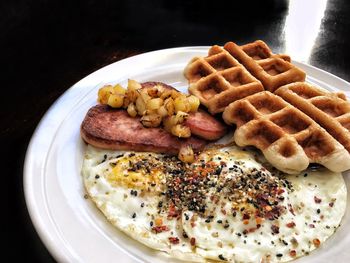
69	224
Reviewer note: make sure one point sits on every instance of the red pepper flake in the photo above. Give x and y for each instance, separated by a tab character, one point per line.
193	224
290	208
246	222
280	191
251	230
275	229
311	225
331	204
316	242
259	220
174	240
317	200
223	211
193	241
268	208
159	229
172	211
291	224
292	253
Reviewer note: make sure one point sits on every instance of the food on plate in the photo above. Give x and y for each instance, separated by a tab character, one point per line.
155	102
271	69
288	138
154	113
330	110
221	202
205	126
226	206
114	129
225	79
219	79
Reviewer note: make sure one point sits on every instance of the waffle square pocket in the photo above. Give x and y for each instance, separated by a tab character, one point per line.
273	70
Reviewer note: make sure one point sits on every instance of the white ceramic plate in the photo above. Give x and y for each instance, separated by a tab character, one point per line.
70	226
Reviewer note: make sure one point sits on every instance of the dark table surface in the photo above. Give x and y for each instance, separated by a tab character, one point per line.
47	46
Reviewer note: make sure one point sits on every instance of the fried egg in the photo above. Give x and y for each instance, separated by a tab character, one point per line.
227	206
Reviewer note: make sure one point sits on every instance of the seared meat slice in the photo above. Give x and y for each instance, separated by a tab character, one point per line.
114	129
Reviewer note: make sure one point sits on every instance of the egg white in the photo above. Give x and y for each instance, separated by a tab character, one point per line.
119	206
213	240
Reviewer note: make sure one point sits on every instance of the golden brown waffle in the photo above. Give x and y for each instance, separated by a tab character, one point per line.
330	110
273	70
288	138
219	79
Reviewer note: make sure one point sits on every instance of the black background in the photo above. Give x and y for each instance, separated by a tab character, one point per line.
47	46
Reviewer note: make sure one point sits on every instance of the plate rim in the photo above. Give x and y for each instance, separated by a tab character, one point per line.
32	207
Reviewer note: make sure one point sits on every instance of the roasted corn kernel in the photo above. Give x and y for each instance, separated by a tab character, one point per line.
140	105
115	100
154	104
132	110
104	93
181	131
151	120
186	154
181	104
194	103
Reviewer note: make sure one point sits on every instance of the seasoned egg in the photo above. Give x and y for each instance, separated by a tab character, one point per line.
226	206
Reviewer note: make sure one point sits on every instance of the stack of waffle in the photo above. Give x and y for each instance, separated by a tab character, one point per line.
292	122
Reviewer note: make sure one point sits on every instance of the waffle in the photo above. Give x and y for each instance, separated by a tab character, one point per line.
330	110
219	79
288	138
273	70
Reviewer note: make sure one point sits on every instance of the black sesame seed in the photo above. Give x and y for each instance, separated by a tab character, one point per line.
279	255
222	257
218	170
151	223
104	158
219	221
133	215
142	204
97	176
318	211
